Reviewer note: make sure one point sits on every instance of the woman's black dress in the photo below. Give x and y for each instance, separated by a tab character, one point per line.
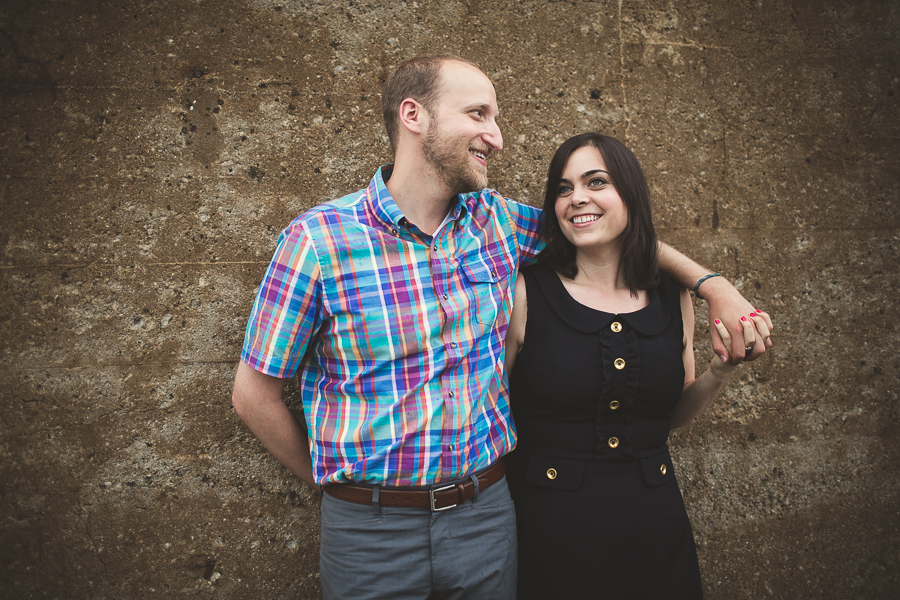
599	511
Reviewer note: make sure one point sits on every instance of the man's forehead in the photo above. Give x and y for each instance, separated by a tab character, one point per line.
452	69
455	74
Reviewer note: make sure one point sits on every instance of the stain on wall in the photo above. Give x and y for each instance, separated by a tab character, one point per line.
150	152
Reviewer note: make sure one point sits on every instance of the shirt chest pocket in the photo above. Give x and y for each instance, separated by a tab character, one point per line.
487	278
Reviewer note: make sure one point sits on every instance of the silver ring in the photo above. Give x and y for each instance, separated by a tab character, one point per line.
748	348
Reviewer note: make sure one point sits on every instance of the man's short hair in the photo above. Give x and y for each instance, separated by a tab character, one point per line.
417	78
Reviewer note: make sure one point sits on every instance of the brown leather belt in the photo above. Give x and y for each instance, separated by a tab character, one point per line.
437	497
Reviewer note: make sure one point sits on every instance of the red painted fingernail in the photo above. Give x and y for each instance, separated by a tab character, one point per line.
718	322
753	314
743	318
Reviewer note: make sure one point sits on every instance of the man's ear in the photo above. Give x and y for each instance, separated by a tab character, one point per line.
413	116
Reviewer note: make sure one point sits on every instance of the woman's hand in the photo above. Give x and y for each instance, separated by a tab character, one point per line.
698	394
719	365
727	304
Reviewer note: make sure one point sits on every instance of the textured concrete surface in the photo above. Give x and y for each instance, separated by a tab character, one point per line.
151	151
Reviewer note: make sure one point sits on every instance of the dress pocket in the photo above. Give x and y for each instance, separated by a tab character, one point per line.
555	473
658	469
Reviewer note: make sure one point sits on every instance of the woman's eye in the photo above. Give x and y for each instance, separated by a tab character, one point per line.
564	190
597	182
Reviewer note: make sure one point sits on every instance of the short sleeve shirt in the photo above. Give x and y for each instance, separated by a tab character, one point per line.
396	336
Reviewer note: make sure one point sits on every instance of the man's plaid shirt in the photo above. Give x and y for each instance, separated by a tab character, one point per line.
397	335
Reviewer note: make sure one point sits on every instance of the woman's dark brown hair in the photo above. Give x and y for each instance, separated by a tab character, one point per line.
639	259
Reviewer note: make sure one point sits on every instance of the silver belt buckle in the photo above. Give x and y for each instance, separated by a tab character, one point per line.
440	489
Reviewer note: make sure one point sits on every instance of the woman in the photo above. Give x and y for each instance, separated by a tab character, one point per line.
602	342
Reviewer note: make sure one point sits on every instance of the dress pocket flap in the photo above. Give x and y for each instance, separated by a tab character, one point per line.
557	473
658	469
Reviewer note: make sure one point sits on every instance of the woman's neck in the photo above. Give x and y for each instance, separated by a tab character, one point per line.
599	270
600	284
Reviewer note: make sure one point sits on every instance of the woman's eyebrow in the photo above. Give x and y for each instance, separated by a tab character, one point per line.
589	173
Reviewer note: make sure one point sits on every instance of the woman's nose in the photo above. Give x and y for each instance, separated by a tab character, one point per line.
578	200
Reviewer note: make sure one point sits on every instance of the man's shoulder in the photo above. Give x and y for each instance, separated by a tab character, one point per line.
491	199
332	211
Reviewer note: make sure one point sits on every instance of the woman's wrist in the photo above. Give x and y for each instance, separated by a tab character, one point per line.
719	369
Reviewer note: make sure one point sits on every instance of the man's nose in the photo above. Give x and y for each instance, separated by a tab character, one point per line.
493	136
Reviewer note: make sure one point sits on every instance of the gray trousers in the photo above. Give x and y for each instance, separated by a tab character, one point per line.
404	553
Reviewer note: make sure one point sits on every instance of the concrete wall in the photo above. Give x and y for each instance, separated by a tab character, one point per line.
151	151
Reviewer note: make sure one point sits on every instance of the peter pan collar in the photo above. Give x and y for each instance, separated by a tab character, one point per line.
650	320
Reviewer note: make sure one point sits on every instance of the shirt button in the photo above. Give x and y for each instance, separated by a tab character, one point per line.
393	232
450	447
493	273
619	363
662	469
446	296
451	394
435	248
616	327
453	344
551	473
613	442
614	405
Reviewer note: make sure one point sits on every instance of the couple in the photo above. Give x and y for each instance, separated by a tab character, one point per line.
391	306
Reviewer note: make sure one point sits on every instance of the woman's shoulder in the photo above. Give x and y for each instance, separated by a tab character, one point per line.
669	290
666	280
536	271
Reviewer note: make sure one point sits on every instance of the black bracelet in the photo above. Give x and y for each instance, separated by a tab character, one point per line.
702	279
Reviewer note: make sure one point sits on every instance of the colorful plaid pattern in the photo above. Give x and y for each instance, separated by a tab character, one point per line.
398	336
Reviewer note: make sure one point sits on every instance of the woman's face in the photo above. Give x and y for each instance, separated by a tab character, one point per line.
590	212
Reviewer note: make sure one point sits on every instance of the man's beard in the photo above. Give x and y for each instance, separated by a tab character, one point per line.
450	159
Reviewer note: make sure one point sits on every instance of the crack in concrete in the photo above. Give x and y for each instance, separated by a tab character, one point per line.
90	535
142	265
625	114
114	365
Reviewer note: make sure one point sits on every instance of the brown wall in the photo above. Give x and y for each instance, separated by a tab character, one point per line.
151	151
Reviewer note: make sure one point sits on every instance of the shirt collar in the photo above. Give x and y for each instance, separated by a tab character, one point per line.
390	215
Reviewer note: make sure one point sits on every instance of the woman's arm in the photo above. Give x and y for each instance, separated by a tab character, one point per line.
515	334
698	394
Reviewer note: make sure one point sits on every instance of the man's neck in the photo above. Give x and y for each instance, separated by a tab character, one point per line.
420	194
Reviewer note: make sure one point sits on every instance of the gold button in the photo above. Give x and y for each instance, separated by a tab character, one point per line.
613	442
662	469
614	405
616	326
619	363
551	473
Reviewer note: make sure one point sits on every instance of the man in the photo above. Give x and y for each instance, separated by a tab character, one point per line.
391	304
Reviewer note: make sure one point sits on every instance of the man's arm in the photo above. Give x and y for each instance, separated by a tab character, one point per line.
257	399
725	304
